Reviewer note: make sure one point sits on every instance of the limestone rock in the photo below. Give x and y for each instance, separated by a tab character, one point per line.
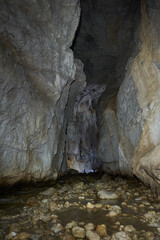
78	232
104	194
22	235
82	132
49	191
90	205
89	226
101	229
57	227
37	71
121	235
129	131
129	228
70	225
92	235
68	237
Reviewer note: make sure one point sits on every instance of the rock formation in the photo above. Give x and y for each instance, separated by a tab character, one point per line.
38	71
131	122
81	143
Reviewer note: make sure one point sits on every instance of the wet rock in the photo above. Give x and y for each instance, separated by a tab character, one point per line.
129	228
10	235
49	191
114	211
53	206
22	235
98	205
67	205
78	232
101	229
65	188
104	194
150	216
90	205
71	225
92	235
57	228
89	226
45	217
68	237
149	236
78	186
120	236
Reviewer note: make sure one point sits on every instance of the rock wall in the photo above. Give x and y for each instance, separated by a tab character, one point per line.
81	142
37	74
130	130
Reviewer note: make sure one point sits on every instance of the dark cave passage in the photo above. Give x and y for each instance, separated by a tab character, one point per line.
104	41
71	143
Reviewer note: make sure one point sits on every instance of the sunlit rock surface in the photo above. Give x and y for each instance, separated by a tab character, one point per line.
37	69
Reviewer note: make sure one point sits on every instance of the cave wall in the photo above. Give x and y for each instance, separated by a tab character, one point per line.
131	120
39	77
105	39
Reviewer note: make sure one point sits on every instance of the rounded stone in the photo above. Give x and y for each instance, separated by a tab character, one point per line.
92	235
101	229
129	228
78	232
90	205
57	227
104	194
120	236
89	226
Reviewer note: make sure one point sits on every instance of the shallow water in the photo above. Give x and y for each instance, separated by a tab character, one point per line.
14	207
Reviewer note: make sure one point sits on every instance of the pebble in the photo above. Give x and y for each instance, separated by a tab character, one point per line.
129	228
57	227
68	237
98	205
22	235
121	236
71	225
115	208
89	226
90	205
104	194
49	191
78	232
101	229
92	235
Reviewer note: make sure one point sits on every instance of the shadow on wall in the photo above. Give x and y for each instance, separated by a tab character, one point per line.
81	146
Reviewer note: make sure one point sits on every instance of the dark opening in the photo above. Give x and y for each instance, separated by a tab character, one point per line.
104	41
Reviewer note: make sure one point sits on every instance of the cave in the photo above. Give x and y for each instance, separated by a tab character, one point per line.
79	119
79	89
104	41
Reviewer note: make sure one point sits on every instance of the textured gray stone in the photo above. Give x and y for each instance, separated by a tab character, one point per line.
37	69
129	112
130	141
81	144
